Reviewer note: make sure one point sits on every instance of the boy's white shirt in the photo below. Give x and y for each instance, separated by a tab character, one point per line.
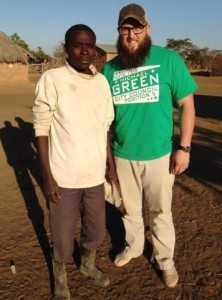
75	111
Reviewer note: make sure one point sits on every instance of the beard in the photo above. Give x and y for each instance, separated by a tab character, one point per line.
133	59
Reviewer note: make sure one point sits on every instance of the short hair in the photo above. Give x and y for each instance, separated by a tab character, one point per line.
75	28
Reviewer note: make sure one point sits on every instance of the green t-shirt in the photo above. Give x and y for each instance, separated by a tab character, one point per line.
143	99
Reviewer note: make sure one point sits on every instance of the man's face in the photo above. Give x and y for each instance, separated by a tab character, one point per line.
81	50
132	34
133	43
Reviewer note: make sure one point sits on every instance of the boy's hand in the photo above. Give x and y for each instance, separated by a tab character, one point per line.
51	189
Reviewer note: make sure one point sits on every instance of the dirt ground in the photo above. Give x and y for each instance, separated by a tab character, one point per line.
197	210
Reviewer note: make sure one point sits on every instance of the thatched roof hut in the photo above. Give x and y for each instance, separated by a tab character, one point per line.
10	52
13	60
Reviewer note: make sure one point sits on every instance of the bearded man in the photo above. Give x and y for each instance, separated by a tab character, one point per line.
146	82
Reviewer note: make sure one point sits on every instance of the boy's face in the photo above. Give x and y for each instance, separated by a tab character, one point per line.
81	50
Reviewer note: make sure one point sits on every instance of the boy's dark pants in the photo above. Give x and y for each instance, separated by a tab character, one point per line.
65	214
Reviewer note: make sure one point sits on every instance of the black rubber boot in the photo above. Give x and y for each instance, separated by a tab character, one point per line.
89	269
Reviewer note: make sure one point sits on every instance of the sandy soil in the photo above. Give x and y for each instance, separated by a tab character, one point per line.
25	238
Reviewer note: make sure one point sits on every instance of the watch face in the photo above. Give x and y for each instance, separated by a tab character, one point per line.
184	148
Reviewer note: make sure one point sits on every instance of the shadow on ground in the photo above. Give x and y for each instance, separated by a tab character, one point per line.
206	154
19	145
208	106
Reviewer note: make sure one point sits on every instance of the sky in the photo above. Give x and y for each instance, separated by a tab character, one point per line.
44	22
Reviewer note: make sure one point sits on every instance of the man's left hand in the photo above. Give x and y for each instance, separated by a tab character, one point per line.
179	162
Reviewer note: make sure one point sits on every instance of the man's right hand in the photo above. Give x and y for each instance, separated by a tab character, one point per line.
50	186
51	189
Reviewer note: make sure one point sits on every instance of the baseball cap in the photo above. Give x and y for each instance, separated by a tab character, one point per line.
133	11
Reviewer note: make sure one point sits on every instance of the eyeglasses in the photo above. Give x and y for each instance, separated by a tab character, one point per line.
125	30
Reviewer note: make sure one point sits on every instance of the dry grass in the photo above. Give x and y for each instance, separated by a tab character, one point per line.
211	86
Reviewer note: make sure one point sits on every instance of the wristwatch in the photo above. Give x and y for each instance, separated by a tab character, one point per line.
184	148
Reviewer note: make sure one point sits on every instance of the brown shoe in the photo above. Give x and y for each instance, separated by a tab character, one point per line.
124	257
170	277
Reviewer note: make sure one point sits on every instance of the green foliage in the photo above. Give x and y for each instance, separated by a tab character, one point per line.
59	53
19	41
59	50
40	55
194	56
185	47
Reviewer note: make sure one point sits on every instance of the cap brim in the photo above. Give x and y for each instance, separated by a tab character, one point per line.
142	22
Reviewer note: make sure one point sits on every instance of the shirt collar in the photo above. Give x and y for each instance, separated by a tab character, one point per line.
82	75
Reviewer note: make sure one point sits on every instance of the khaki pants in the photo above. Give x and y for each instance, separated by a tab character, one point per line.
151	180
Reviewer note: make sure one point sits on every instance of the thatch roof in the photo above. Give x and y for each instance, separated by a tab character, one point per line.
27	53
10	52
